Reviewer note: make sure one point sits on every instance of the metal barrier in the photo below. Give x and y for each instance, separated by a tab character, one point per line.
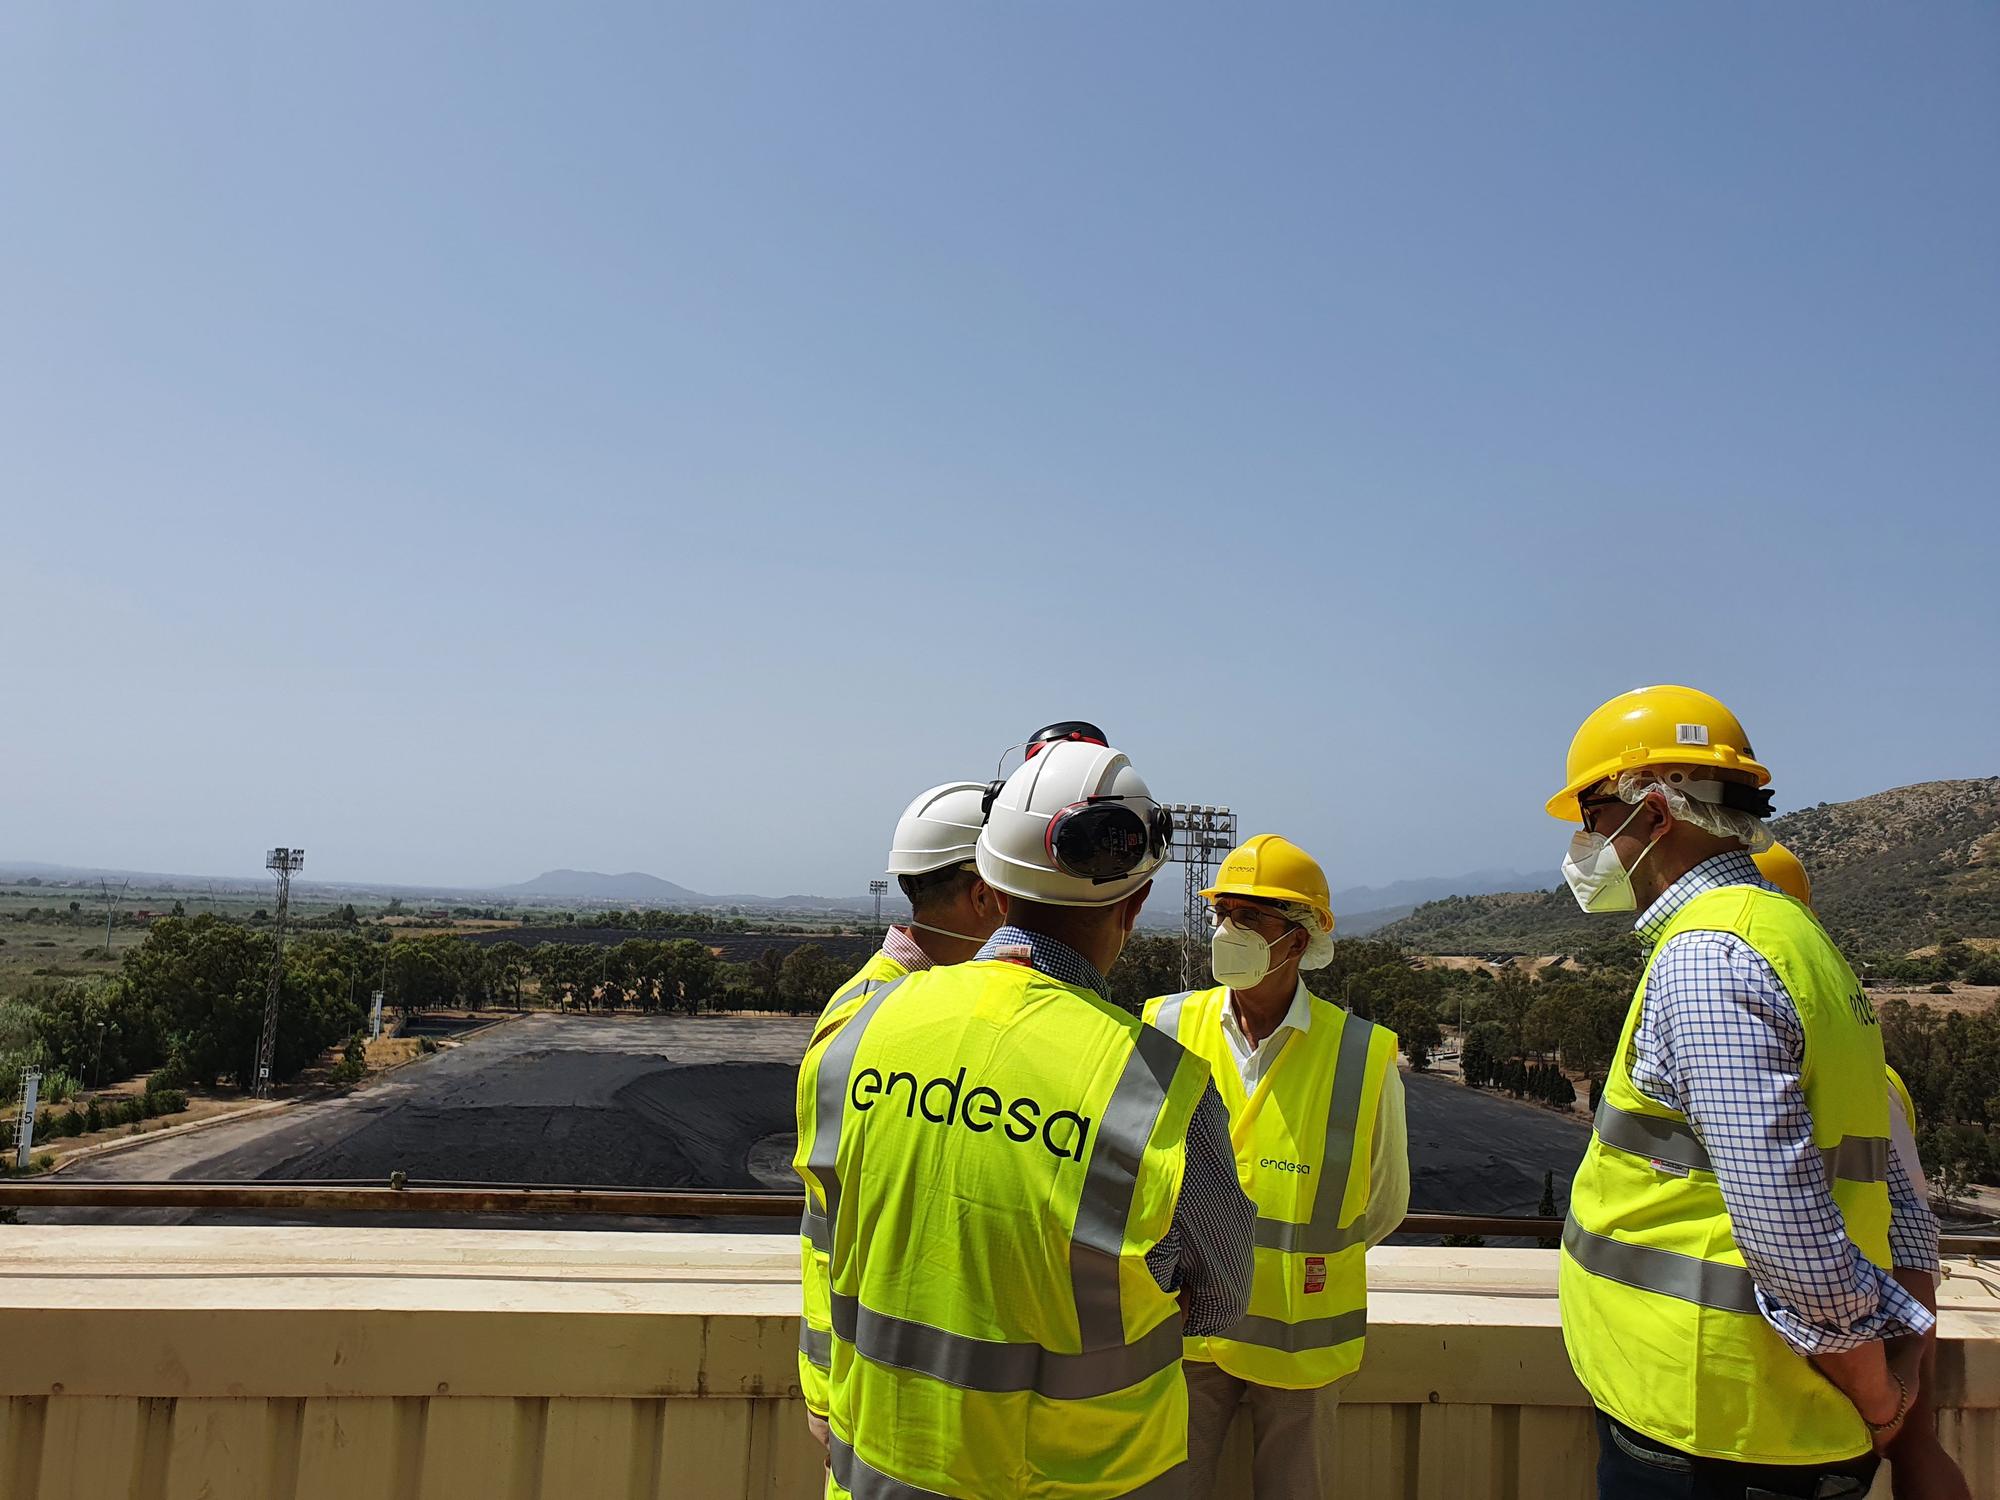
639	1203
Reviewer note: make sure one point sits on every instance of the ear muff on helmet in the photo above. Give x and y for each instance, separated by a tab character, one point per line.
1103	839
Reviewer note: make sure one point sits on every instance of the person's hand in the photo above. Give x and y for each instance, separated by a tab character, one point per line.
822	1434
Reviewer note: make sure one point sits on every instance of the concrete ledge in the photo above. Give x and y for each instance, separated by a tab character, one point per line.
290	1362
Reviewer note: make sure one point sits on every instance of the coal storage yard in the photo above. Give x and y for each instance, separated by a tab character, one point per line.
683	1102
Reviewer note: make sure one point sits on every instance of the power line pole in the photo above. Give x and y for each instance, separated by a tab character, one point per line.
281	862
110	906
877	888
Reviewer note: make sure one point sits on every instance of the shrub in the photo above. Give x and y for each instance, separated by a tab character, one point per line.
171	1074
169	1101
93	1118
131	1110
68	1123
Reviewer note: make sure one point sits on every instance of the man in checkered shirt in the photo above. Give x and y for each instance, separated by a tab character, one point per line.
1710	1213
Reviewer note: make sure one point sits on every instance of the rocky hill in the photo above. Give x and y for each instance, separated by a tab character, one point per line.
1890	872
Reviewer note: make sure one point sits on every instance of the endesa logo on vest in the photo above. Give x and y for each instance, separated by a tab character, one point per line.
947	1101
1315	1274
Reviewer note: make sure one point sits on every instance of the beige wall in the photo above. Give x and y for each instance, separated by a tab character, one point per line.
213	1364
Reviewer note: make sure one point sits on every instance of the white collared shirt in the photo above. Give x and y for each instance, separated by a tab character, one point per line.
1389	1161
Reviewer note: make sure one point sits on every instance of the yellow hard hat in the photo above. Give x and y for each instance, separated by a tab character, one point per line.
1653	726
1270	868
1781	867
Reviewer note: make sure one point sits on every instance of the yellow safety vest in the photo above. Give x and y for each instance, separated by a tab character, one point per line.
1304	1142
815	1325
1658	1311
997	1152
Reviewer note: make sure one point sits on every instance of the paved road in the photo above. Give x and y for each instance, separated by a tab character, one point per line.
700	1102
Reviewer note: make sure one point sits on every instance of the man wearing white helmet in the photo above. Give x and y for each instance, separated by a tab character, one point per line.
1029	1193
952	911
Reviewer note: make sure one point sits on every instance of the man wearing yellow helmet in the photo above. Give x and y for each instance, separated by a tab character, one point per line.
1726	1289
1316	1115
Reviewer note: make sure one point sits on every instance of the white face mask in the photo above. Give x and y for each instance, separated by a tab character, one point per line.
1597	876
1238	957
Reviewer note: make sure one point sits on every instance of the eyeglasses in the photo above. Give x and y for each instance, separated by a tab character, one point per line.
1589	806
1249	914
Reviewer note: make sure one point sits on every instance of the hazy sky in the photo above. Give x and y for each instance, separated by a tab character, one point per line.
467	439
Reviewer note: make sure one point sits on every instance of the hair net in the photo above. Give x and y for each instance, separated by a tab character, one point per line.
1319	952
1693	796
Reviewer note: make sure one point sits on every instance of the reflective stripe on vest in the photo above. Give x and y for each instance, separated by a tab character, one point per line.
855	1476
1108	1363
816	1231
988	1365
1706	1283
1296	1338
830	1100
816	1344
1856	1158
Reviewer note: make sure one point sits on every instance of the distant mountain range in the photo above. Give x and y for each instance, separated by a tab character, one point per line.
634	886
1360	909
1890	872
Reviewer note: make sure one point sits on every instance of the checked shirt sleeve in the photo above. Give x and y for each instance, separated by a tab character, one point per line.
1723	1044
1207	1251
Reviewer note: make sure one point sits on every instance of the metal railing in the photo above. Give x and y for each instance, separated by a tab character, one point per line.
419	1197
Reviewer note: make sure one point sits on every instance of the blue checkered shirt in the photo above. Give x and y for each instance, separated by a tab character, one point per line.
1206	1252
1720	1042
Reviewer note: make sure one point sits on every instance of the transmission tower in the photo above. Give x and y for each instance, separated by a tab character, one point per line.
111	901
281	863
1200	834
877	888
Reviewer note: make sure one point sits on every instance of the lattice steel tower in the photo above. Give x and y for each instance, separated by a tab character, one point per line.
280	862
1200	834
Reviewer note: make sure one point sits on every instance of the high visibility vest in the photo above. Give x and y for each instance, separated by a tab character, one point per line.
815	1325
1304	1142
997	1152
1658	1311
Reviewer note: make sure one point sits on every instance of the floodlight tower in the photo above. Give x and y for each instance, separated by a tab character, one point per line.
877	888
281	863
1201	833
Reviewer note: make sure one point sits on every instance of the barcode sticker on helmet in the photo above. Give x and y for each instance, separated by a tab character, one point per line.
1691	734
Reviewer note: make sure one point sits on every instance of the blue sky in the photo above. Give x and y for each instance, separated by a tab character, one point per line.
467	439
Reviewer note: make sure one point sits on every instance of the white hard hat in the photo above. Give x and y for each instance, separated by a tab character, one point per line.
938	829
1075	826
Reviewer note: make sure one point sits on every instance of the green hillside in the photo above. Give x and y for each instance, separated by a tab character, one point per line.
1891	872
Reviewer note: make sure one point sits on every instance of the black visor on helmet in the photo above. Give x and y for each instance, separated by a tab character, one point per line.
1103	839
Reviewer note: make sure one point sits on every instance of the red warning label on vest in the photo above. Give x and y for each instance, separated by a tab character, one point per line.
1315	1273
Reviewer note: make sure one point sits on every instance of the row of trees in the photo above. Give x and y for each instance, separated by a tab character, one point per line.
1950	1062
188	1001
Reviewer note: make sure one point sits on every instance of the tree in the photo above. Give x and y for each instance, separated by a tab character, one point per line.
807	979
1484	1051
1414	1020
